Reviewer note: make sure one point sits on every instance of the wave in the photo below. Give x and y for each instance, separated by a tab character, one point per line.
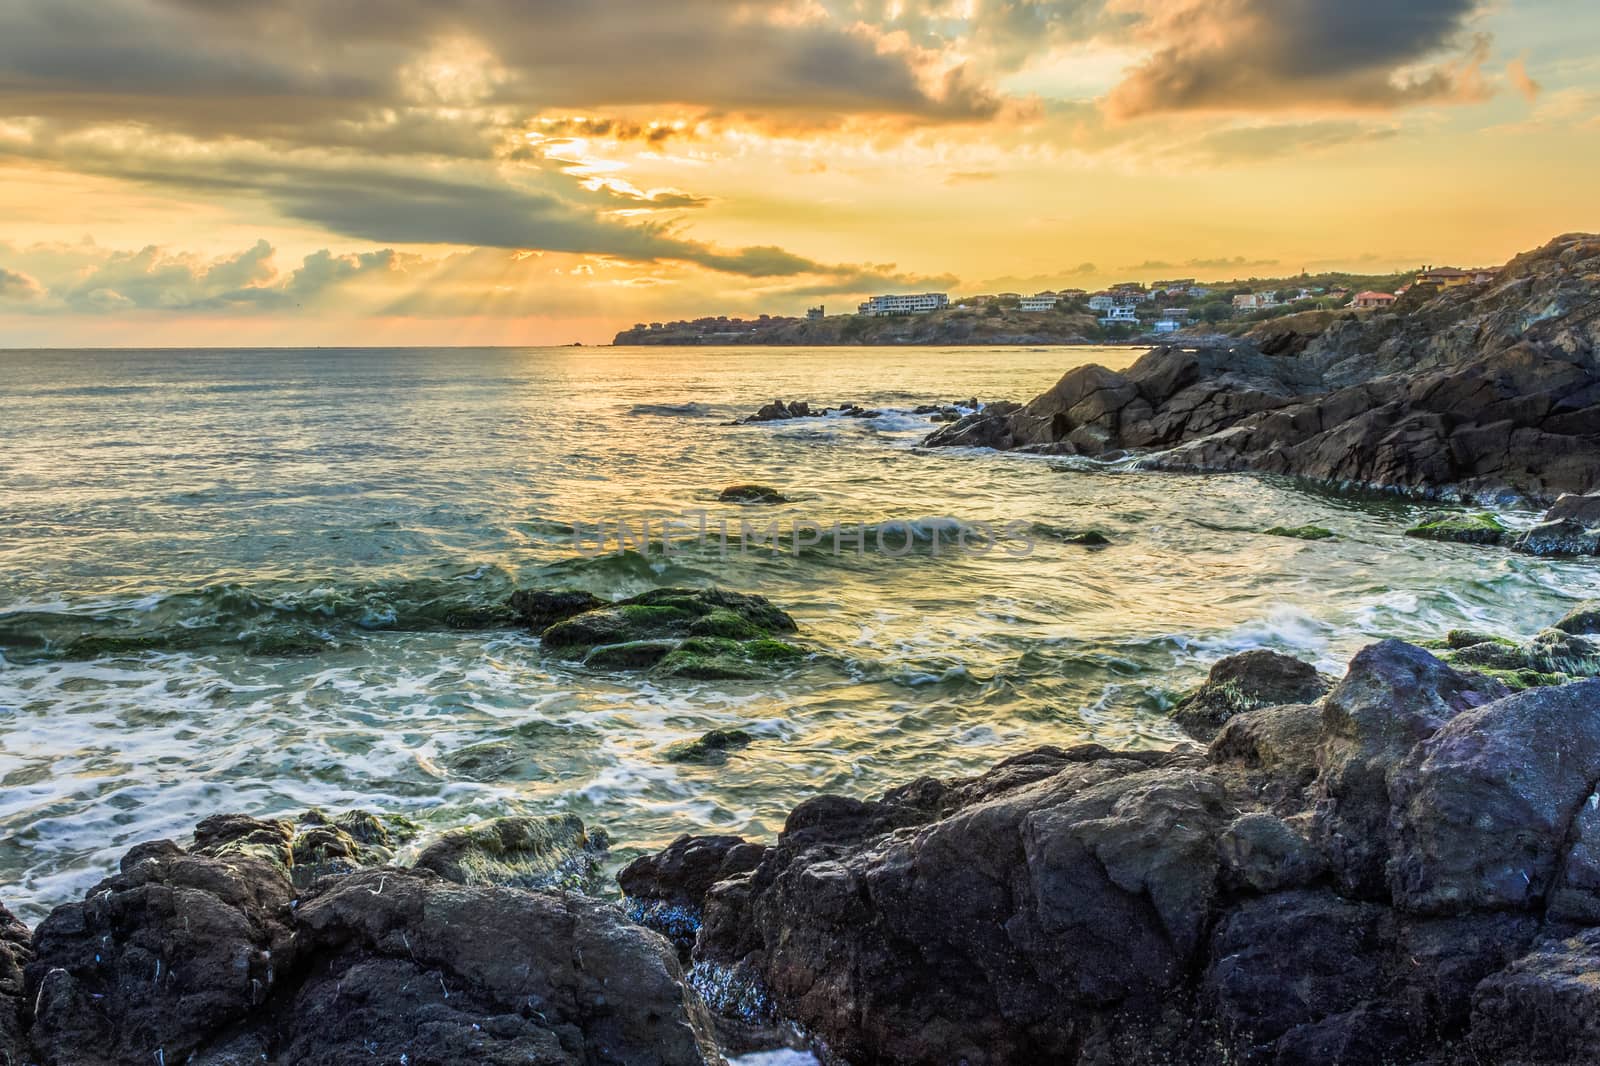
671	410
272	619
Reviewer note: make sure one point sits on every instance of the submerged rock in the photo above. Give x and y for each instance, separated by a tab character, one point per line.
1481	528
713	747
548	852
751	494
1299	532
1089	538
1571	527
700	634
1243	682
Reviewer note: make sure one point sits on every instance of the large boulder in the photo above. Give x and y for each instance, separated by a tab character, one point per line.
217	960
1482	810
1393	696
412	965
161	958
1544	1008
1571	527
1243	682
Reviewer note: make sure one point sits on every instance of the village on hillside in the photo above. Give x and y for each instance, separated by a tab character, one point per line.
1122	312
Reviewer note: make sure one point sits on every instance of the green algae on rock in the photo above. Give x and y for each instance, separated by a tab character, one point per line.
700	634
549	852
1458	528
1299	532
712	748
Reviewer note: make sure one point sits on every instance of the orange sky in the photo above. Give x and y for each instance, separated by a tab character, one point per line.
533	171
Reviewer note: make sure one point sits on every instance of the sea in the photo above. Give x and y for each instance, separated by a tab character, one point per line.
271	580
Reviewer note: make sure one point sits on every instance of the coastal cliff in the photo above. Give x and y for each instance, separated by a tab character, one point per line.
1480	392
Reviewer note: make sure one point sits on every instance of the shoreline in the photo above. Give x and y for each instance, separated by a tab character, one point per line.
1328	831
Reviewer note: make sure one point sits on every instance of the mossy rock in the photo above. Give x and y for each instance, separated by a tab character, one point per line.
667	614
631	655
751	494
722	659
1460	528
546	852
1299	532
1467	638
722	622
712	748
1583	620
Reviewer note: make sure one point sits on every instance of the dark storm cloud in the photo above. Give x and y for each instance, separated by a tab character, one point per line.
214	66
1261	55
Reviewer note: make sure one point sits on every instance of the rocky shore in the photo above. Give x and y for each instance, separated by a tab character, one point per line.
1398	866
1487	392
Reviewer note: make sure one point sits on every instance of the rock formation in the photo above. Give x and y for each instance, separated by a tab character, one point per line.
1401	871
1488	391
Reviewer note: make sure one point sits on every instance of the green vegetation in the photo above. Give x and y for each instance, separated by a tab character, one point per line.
1299	532
1460	528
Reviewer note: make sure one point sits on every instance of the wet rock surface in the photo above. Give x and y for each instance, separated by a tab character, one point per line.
1400	870
699	634
219	959
1243	682
1488	391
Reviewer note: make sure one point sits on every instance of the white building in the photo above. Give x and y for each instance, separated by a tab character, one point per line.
1102	301
1041	302
1168	325
920	304
1120	316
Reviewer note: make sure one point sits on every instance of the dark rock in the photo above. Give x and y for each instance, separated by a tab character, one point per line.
778	411
1571	527
666	891
1262	853
713	747
1583	620
1482	809
751	494
1299	532
160	958
442	973
1293	959
1393	697
1544	1008
540	609
1088	538
1488	391
313	847
1243	682
553	851
212	960
16	951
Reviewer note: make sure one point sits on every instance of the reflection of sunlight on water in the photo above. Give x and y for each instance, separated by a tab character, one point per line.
282	569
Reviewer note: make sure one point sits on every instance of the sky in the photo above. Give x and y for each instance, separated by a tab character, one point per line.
379	172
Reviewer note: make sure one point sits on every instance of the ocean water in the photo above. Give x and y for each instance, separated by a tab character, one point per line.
267	580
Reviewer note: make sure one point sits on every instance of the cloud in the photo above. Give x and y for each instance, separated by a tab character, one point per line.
1517	71
86	278
18	287
1251	144
239	68
1237	262
1265	55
